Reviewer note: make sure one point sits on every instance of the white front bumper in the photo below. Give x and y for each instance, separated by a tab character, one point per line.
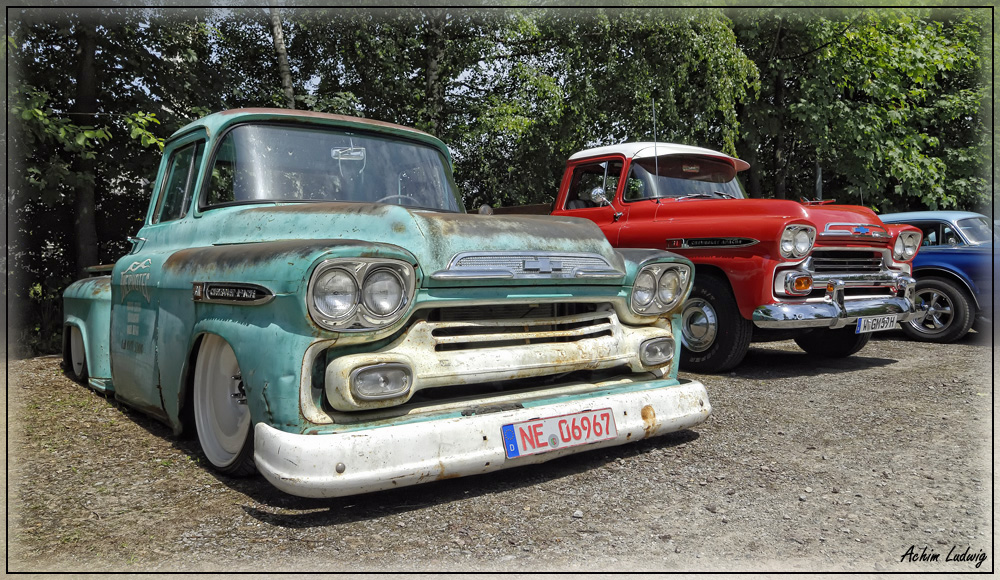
417	451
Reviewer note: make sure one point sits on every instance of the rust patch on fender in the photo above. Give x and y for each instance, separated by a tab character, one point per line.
649	420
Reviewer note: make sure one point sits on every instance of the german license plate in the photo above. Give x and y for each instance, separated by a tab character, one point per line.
875	323
551	433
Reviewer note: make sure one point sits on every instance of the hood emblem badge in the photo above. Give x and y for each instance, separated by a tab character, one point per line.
542	265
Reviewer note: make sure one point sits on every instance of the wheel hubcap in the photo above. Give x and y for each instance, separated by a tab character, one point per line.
935	312
699	325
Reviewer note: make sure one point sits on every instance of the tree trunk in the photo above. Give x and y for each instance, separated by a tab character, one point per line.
282	52
434	40
779	139
85	243
747	150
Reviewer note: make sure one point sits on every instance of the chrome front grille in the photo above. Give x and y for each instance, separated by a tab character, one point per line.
498	326
845	261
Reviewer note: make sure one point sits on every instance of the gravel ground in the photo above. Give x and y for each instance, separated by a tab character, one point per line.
806	465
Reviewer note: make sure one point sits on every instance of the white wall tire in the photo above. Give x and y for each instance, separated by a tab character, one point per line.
75	356
221	414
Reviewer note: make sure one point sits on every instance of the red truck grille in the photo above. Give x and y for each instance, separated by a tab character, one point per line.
849	261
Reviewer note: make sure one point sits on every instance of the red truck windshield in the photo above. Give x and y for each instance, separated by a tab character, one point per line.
678	176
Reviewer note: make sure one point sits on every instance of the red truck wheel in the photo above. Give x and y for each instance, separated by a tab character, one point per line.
714	336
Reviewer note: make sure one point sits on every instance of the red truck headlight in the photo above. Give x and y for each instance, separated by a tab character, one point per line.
797	240
906	245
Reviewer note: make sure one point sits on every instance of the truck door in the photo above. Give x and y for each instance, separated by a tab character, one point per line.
580	184
135	281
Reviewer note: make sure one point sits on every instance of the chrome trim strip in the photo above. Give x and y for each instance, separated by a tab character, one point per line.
856	231
526	266
686	243
232	293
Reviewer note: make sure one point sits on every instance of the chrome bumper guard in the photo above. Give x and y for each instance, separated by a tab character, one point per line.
835	310
421	449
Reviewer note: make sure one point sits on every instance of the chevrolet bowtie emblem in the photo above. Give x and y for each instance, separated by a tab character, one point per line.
860	230
542	265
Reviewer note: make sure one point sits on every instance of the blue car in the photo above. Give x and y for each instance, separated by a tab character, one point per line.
954	270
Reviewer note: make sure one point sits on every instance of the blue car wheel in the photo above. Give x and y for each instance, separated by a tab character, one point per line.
944	312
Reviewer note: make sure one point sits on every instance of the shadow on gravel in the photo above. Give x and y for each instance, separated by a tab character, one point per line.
312	513
280	509
772	364
973	338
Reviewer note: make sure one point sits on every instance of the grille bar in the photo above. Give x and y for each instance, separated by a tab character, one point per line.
451	334
579	332
824	262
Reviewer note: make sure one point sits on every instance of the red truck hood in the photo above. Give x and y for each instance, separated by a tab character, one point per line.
755	218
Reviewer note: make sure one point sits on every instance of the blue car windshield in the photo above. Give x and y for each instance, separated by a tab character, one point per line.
977	230
277	163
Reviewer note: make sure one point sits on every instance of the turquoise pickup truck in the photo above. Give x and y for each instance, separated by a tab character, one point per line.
308	294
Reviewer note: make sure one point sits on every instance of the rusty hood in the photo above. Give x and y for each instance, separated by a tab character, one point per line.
433	238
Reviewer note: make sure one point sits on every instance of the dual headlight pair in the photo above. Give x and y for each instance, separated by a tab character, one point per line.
658	288
359	294
906	245
796	241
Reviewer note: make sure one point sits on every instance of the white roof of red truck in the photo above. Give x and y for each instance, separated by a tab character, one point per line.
644	149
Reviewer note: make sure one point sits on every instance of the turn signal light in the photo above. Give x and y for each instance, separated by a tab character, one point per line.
803	284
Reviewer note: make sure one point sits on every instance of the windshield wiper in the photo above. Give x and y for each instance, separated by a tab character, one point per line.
706	195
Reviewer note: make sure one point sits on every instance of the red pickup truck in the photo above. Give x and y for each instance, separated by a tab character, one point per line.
765	269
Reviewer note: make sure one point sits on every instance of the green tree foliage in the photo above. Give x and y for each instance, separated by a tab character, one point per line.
890	104
561	81
887	102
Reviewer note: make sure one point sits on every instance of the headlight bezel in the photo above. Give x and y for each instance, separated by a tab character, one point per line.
315	283
361	317
906	246
657	305
788	242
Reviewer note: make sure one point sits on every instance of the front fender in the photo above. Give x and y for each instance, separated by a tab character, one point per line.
269	337
87	306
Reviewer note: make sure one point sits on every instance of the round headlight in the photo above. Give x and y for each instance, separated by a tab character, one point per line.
898	247
787	243
382	292
910	245
644	289
668	287
335	293
802	242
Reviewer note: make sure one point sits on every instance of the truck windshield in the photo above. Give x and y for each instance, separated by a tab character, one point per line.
680	176
274	163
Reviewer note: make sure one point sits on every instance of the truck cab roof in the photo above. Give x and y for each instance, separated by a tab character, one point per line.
647	149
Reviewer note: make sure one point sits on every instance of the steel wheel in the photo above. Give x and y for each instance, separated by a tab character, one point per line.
221	414
75	356
699	325
714	336
944	313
